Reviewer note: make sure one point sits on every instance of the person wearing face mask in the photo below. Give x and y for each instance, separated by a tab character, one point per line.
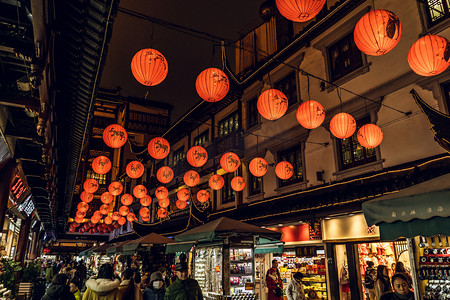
183	288
382	283
402	288
156	289
294	290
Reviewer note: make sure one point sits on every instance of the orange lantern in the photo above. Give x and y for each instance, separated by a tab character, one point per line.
97	214
79	220
135	169
212	85
122	221
124	210
95	220
158	148
284	170
139	191
131	217
80	214
310	114
183	194
181	204
90	185
429	56
161	192
126	199
230	162
370	136
377	32
146	200
191	178
202	196
146	218
342	125
106	197
86	197
216	182
82	206
115	188
108	220
162	213
101	165
115	136
272	104
149	67
197	156
164	202
164	174
104	209
144	211
115	215
299	10
238	183
258	166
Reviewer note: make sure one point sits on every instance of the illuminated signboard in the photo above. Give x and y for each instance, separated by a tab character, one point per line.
19	188
26	206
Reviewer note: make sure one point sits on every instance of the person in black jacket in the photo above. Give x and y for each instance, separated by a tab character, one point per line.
402	288
59	289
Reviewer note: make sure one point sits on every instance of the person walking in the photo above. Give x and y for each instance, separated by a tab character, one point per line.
369	280
49	273
74	289
382	284
156	289
128	290
294	290
402	288
136	271
274	285
183	288
104	287
59	289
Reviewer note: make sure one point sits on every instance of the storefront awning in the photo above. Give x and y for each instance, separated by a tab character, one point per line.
180	247
269	246
149	239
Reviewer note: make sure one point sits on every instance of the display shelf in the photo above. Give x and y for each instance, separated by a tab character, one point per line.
241	261
241	274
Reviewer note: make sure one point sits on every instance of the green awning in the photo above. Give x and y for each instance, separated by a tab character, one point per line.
180	247
269	246
430	227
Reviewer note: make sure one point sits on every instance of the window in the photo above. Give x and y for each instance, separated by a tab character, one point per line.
202	138
294	156
254	184
446	92
344	57
178	155
437	11
227	191
101	178
351	153
288	86
228	125
252	110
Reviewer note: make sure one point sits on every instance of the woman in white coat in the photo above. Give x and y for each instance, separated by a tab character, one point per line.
294	290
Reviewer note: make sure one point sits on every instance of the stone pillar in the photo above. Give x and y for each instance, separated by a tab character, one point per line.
23	240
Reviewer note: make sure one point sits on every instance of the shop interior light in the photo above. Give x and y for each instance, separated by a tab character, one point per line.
280	225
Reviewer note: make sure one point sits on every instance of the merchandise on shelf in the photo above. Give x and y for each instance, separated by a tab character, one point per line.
208	269
241	272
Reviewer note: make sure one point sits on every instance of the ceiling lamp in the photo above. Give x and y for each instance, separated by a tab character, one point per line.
158	148
90	185
272	104
164	174
86	197
377	32
139	191
115	136
429	55
164	202
216	182
300	10
101	165
230	162
126	199
162	213
108	220
122	221
202	196
144	212
104	209
183	194
370	136
146	200
106	198
238	183
161	192
149	67
191	178
284	170
310	114
181	204
124	210
342	125
212	85
135	169
258	166
115	216
131	217
197	156
115	188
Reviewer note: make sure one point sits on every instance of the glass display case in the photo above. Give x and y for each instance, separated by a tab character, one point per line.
208	269
241	273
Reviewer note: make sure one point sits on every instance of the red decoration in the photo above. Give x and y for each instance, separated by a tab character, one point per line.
161	192
370	136
86	197
300	10
80	214
429	55
115	136
149	67
82	206
79	220
197	156
135	169
238	183
162	213
108	220
146	218
216	182
342	125
106	198
144	211
181	204
139	191
146	200
90	185
183	194
164	174
230	162
115	188
202	196
104	209
122	221
94	220
377	32
284	170
310	114
258	166
101	165
158	148
124	210
126	199
115	215
212	85
131	217
272	104
164	202
191	178
97	214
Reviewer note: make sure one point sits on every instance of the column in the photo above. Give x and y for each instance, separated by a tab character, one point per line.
23	240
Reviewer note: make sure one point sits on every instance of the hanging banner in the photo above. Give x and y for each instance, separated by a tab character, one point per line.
19	188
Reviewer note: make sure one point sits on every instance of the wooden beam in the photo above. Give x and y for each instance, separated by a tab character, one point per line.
20	101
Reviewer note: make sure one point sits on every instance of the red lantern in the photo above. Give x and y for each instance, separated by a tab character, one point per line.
202	196
191	178
238	183
135	169
144	211
230	162
146	218
97	214
86	197
429	55
90	185
164	174
164	202
149	67
146	200
162	213
108	220
310	114
94	220
115	215
101	165
106	198
139	191
212	85
115	188
124	210
258	166
181	204
370	136
377	32
104	209
342	125
161	192
284	170
79	220
300	10
216	182
131	217
82	206
197	156
126	199
183	194
122	221
158	148
272	104
80	214
115	136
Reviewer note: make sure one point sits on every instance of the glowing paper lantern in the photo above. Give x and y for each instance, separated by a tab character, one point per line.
197	156
191	178
258	166
183	194
216	182
115	188
131	217
80	214
299	10
124	210
342	125
97	214
115	136
310	114
146	218
135	169
115	215
202	196
162	213
164	174
272	104
181	204
284	170
429	55
149	67
108	220
122	221
161	192
104	209
106	198
144	211
139	191
377	32
146	200
212	85
238	183
164	202
79	220
82	206
101	165
94	220
158	148
230	162
370	136
86	197
90	185
126	199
